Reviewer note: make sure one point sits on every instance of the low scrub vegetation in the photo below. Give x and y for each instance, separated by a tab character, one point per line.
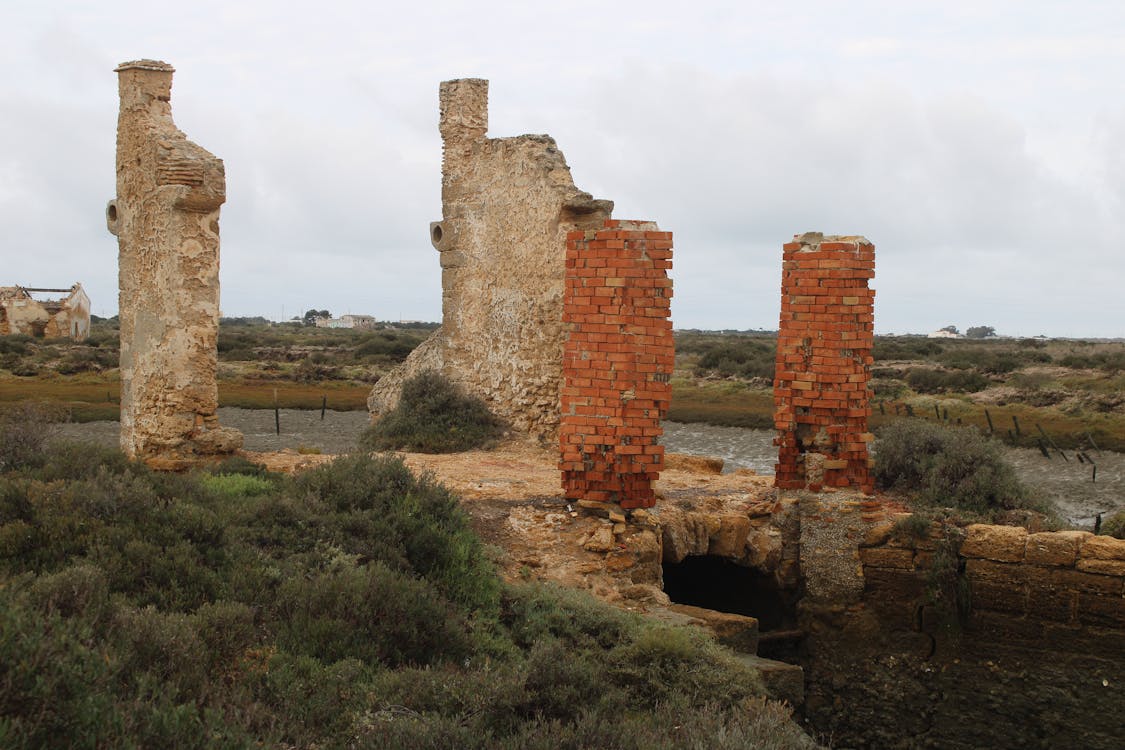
434	416
923	380
1114	525
350	606
25	428
948	467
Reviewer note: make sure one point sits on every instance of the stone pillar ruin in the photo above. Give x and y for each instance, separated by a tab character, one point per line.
821	394
617	365
507	206
166	219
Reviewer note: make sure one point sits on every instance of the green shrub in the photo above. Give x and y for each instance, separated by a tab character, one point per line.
236	485
383	512
25	429
939	381
744	359
433	416
78	591
69	460
385	346
351	605
371	613
1114	525
904	348
240	465
318	702
539	612
663	663
947	466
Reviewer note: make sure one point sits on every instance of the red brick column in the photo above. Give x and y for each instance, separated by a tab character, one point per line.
821	395
617	362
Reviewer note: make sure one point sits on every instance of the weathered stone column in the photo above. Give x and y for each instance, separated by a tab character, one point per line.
166	218
617	364
821	395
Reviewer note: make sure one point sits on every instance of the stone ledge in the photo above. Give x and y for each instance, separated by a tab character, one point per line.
1102	548
999	543
1058	548
887	557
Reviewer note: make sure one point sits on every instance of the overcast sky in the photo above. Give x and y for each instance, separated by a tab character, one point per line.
979	145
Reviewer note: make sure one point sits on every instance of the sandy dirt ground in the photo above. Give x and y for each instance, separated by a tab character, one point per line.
1067	485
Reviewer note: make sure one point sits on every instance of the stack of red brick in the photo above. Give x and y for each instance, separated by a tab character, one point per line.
821	394
617	363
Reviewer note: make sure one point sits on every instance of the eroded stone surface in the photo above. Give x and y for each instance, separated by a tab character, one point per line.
507	206
166	218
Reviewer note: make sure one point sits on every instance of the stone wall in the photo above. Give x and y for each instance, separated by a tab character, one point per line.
985	637
821	394
507	207
64	317
617	364
166	218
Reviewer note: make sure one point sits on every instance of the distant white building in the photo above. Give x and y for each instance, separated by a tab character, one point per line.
944	334
366	322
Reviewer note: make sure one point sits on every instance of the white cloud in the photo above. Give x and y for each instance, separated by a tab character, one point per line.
978	145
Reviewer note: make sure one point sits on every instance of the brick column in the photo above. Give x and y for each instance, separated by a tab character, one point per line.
821	394
617	362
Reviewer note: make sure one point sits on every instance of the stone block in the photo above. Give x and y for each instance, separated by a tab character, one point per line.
887	557
1102	567
1054	548
998	587
878	534
999	543
1055	579
730	540
1101	611
600	541
619	560
735	631
1102	548
784	682
693	464
1046	604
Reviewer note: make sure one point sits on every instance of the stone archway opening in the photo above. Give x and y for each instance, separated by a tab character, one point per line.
717	583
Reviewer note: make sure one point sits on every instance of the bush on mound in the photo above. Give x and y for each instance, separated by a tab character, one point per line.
1114	525
433	416
943	466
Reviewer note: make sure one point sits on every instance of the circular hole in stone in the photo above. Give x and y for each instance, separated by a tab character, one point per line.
111	212
436	233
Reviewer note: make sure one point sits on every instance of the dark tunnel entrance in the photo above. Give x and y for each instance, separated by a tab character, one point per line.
719	584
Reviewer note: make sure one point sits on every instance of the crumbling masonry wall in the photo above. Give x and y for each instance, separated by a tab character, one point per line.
64	317
507	207
990	636
166	218
617	364
821	393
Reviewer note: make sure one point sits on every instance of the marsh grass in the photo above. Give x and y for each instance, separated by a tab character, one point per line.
723	403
